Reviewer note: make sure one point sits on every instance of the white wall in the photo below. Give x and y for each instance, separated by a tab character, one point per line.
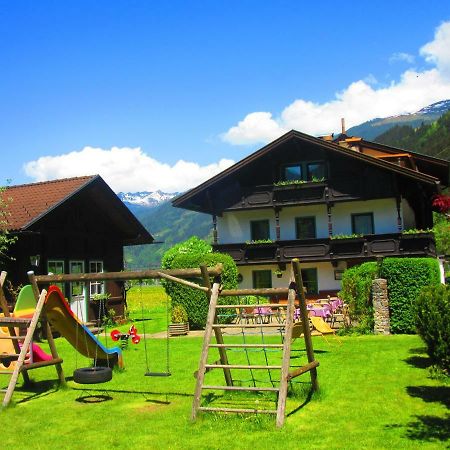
325	275
384	215
235	226
288	216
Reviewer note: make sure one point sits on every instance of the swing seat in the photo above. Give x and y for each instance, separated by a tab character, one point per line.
157	374
92	375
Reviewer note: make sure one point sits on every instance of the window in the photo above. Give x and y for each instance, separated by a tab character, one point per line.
305	227
76	287
305	171
96	287
56	267
259	230
292	172
362	223
315	171
262	279
310	281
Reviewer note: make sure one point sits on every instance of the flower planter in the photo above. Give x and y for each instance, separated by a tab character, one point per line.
178	329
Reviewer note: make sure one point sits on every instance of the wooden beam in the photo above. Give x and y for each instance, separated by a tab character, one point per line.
305	320
132	275
217	331
48	330
11	330
303	369
183	282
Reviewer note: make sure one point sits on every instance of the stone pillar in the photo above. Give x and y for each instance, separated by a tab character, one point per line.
380	306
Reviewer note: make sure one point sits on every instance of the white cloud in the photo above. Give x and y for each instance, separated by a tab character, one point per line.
401	56
362	100
124	169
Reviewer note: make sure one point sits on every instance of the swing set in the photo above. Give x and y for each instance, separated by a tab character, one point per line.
216	327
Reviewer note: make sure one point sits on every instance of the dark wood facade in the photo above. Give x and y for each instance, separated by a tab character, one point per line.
355	171
89	224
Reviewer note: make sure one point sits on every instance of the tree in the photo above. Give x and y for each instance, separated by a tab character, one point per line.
6	240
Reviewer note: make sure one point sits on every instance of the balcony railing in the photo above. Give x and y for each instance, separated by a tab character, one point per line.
366	247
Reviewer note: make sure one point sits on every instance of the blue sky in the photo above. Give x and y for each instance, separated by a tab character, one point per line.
164	94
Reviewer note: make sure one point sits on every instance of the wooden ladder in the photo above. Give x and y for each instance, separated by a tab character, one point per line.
26	339
285	376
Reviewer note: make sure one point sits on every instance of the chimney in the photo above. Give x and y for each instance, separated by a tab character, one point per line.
343	125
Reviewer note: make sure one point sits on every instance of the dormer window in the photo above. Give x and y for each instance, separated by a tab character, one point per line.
292	172
315	171
304	171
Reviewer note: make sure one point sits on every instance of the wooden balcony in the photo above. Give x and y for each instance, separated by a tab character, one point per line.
335	190
365	248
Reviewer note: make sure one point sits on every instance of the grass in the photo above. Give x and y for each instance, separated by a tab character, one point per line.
375	392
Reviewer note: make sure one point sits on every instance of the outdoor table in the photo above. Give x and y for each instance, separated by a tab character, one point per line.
324	311
263	312
335	304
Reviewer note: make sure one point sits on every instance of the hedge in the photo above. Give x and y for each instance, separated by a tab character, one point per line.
433	323
191	254
405	279
356	292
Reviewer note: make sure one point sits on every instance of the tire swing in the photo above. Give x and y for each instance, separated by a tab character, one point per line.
97	373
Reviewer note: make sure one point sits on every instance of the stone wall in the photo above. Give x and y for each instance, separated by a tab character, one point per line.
381	306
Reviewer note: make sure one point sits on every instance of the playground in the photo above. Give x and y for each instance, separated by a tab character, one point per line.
375	392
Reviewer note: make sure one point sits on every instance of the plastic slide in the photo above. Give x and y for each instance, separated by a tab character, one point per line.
69	326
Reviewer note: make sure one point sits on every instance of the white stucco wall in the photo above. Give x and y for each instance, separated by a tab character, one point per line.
235	226
288	216
384	215
325	275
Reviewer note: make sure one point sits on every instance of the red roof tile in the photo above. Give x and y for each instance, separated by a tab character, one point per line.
30	201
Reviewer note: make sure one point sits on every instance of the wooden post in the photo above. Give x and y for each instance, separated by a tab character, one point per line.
204	355
11	330
217	331
215	238
284	377
51	342
305	320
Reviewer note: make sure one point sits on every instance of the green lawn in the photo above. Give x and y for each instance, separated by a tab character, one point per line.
375	392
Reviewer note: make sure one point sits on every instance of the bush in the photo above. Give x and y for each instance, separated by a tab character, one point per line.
433	323
179	314
405	279
357	293
191	254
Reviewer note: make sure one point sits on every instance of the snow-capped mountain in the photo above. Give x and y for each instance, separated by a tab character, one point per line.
436	108
144	199
373	128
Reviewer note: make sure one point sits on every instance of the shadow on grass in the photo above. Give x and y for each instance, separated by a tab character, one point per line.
40	389
428	428
429	394
94	398
421	362
306	401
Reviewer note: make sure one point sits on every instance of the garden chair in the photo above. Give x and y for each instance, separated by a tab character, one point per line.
323	328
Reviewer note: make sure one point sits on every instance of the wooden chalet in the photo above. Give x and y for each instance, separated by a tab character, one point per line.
68	226
331	202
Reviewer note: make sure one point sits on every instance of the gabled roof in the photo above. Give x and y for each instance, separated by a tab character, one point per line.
183	200
27	204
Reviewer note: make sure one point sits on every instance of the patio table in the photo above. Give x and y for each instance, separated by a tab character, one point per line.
323	311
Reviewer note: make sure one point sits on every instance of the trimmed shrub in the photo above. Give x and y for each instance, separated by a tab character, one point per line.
405	279
179	314
191	254
357	293
433	323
